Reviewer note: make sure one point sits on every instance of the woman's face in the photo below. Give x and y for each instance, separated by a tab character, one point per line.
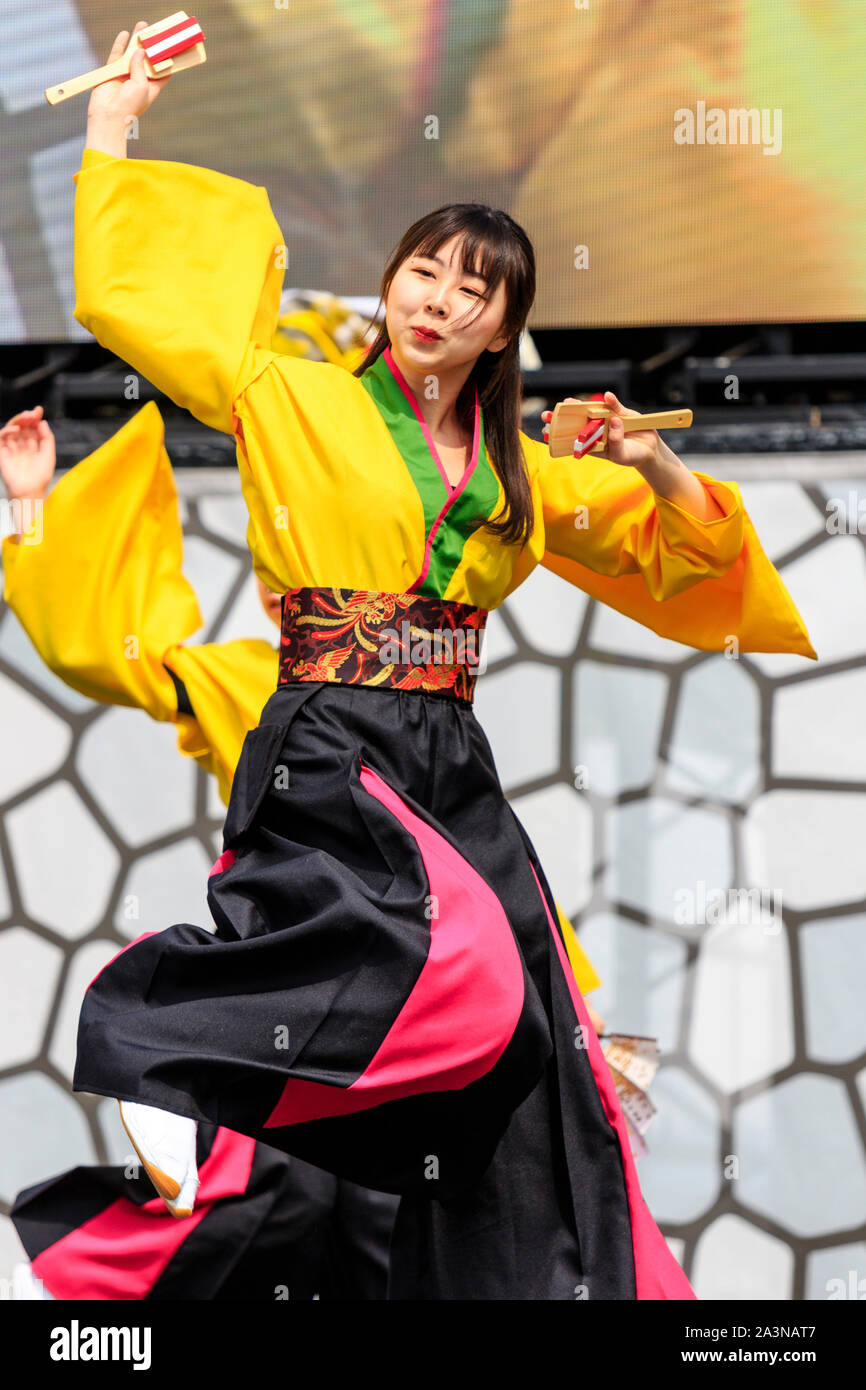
271	602
435	293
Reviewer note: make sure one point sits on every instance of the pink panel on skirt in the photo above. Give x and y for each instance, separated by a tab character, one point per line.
225	861
465	1004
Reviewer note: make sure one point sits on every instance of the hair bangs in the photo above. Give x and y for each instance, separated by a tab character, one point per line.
484	248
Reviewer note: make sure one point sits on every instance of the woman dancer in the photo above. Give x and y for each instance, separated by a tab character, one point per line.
387	992
107	564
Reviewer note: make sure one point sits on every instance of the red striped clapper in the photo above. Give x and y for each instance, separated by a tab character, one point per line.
170	46
581	427
593	432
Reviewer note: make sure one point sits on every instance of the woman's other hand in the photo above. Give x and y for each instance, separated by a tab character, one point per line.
639	449
27	455
123	97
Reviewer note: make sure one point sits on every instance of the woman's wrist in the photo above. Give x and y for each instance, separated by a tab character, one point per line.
25	510
108	134
664	471
673	480
26	502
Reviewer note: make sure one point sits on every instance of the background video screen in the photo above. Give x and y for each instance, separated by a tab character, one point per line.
673	163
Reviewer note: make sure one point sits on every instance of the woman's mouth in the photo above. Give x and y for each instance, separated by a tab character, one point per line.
426	335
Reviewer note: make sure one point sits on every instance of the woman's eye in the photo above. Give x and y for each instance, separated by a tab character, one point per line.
467	290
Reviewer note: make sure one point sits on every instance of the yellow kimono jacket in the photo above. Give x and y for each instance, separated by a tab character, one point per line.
104	600
179	270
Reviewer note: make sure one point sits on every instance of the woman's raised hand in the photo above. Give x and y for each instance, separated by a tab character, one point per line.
123	97
27	455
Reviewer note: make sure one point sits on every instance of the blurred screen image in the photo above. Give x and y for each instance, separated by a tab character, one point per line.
672	162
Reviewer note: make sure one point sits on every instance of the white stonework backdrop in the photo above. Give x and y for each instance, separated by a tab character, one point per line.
702	775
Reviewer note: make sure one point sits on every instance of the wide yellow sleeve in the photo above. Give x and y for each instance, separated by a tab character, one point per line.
703	583
584	970
227	684
178	270
102	595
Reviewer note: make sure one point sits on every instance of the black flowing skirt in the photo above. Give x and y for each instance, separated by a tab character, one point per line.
387	996
266	1226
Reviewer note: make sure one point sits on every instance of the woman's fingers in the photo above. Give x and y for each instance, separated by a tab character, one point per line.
25	417
22	427
615	426
119	46
618	405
